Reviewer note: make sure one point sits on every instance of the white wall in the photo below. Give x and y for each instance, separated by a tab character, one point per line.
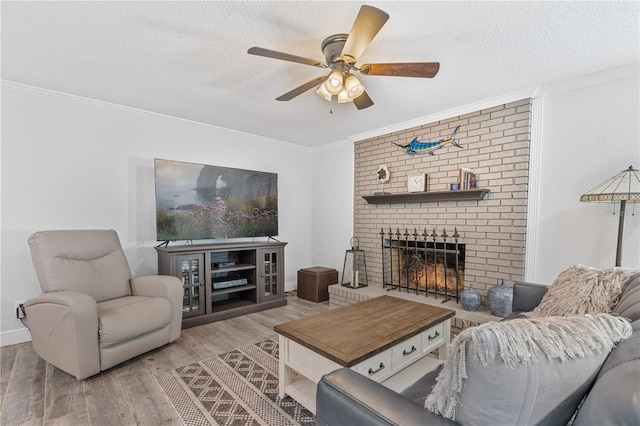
333	168
69	162
74	163
589	134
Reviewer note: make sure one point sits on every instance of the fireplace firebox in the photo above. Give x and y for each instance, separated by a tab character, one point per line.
432	264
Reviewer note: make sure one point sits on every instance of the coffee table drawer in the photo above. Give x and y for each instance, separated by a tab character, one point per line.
306	362
432	337
378	367
406	352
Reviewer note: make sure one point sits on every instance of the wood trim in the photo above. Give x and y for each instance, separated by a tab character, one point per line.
533	191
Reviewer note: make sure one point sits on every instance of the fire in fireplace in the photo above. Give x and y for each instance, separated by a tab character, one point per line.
423	263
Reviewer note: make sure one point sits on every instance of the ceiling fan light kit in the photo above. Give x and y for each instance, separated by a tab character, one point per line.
334	82
353	86
346	86
341	51
343	97
324	92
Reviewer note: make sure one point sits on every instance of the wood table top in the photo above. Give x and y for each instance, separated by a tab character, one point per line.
351	334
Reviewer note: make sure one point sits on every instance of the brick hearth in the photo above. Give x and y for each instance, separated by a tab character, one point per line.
343	296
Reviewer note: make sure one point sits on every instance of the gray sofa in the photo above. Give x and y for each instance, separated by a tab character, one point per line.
348	398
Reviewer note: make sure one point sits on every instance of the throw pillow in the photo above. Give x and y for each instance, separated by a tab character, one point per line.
524	371
583	290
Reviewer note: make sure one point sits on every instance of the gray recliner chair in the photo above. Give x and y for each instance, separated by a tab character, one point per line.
92	314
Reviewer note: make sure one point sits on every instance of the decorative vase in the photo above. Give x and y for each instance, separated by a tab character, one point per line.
470	299
499	299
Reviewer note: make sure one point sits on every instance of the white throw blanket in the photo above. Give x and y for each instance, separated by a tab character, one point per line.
523	341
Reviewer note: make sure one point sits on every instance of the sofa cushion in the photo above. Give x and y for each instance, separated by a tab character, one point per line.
524	371
418	391
583	290
615	396
629	304
122	319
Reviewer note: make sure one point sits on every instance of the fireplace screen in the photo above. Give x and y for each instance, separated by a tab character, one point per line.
432	264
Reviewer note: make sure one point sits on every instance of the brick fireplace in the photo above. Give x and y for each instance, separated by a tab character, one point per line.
496	148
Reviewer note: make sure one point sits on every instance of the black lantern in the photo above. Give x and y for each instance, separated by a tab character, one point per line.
355	266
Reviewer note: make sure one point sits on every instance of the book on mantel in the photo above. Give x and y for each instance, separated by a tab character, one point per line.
467	178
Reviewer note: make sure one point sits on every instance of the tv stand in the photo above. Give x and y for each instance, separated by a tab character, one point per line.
257	269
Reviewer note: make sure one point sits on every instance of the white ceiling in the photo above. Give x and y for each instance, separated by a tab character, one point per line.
189	60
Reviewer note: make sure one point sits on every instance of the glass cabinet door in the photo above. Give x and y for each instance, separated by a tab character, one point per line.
193	297
270	274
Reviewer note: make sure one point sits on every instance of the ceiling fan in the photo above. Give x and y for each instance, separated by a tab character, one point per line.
341	51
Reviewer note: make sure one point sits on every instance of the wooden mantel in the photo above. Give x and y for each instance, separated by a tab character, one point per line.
427	197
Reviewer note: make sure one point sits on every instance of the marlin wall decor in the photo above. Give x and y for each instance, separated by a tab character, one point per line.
417	147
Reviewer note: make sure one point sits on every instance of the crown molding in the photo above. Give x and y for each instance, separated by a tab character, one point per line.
629	70
34	90
453	112
332	145
26	88
535	92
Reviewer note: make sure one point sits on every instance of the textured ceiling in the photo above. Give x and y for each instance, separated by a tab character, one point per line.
189	60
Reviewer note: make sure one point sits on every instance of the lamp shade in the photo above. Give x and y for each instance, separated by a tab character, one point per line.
354	86
623	187
324	93
334	82
343	96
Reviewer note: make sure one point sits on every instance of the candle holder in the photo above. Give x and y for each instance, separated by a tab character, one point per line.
355	267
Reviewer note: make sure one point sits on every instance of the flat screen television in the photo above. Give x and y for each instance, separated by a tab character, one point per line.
199	201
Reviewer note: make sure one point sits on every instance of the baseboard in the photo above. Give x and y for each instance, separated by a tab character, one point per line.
13	337
290	286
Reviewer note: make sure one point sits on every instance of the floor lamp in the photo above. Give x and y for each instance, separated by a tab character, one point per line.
623	187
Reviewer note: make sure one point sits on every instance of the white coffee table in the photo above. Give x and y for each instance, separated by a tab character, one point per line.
386	338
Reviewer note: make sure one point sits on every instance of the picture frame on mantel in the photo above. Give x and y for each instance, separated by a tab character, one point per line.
417	182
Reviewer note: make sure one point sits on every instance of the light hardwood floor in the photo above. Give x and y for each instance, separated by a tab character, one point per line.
34	392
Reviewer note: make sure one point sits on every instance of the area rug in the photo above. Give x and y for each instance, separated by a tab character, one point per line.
236	388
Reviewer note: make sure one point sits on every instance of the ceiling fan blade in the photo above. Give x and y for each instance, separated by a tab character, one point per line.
367	24
285	57
363	101
301	89
406	69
